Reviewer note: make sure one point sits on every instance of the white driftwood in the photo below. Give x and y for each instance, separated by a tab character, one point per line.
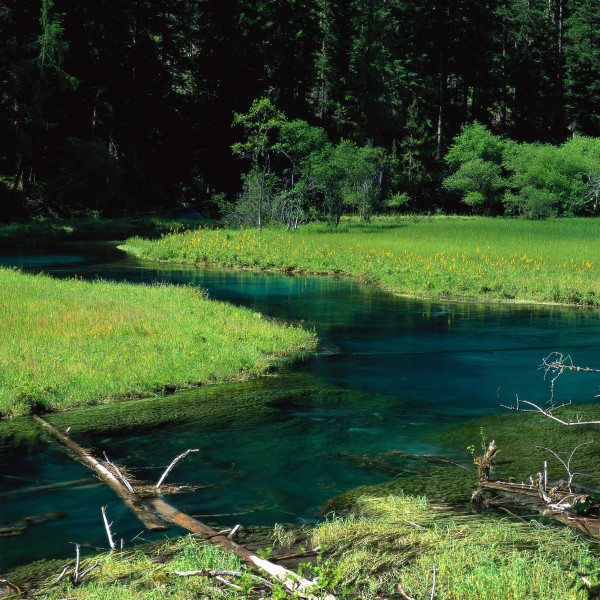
121	476
107	525
170	467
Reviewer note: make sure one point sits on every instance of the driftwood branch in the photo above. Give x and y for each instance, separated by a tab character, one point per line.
139	509
121	476
173	463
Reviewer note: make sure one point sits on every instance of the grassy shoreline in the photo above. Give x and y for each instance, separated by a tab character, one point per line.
388	544
462	258
68	343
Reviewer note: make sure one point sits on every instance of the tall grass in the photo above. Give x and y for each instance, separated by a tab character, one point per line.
397	540
71	343
460	257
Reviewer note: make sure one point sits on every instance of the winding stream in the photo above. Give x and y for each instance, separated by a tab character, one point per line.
390	373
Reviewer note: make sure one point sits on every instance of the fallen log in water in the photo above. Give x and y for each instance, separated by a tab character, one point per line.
292	582
150	520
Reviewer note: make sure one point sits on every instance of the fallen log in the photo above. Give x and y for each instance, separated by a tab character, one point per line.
292	581
530	496
150	520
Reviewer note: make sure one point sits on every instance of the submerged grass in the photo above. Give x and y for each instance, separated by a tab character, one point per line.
397	540
461	257
71	343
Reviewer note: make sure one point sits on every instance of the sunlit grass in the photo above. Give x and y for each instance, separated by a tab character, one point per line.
398	540
71	343
148	573
460	257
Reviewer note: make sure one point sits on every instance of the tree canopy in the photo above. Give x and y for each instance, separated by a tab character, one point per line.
127	106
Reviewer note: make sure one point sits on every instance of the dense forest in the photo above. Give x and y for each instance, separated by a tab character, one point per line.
118	107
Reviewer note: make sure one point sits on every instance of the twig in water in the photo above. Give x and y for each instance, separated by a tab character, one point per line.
170	467
108	531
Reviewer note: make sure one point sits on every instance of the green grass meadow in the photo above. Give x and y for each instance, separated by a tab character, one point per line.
479	258
67	343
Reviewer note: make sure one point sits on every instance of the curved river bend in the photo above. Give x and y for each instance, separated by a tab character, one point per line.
390	373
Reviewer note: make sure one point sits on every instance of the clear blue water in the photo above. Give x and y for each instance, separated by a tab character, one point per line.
390	373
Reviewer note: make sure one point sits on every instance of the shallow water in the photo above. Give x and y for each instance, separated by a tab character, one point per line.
390	373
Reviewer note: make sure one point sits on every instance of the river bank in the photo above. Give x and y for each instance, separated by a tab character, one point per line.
69	343
466	258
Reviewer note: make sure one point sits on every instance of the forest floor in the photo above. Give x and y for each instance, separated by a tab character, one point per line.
467	258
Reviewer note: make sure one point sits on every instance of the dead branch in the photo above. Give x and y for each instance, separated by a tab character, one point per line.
566	464
547	412
89	570
233	531
10	588
175	461
222	572
121	476
77	560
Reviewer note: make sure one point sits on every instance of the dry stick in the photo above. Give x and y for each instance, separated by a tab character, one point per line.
433	586
89	570
139	509
221	572
62	573
170	467
121	476
77	559
292	581
108	531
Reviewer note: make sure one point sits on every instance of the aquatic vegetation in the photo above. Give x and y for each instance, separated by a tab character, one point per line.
462	257
72	343
395	541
